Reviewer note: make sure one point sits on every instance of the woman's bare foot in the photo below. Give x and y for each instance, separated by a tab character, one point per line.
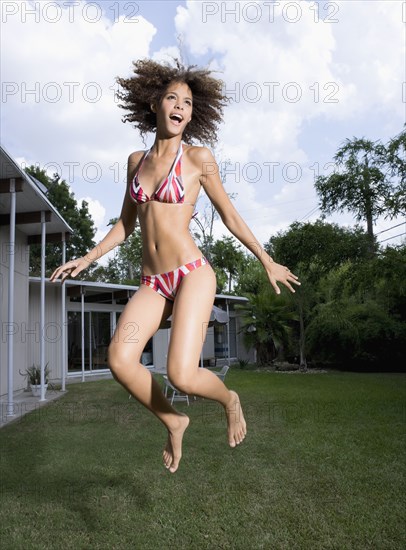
237	427
173	448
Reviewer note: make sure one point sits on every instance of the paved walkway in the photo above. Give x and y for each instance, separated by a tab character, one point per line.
25	402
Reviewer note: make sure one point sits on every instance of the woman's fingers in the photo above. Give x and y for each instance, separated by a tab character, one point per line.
71	268
286	278
293	279
286	283
275	286
58	271
77	269
55	274
65	273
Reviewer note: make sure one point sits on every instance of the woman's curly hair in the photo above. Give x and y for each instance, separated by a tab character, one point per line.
148	86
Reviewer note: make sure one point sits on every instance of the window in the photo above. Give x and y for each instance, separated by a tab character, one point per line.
221	339
97	336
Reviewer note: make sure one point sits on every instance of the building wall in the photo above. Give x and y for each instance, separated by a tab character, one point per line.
242	352
52	331
208	345
21	259
160	348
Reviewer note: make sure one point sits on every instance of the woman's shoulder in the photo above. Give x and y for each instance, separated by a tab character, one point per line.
135	157
134	160
199	153
203	160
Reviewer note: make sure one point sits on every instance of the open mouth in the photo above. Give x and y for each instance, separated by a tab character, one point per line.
176	118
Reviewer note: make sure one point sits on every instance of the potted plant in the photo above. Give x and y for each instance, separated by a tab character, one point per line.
34	377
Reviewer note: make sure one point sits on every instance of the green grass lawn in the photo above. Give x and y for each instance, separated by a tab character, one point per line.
322	467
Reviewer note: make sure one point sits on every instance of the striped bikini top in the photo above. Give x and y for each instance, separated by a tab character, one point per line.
170	190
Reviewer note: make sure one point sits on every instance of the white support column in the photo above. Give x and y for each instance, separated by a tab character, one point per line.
82	326
42	310
237	351
113	323
63	320
90	342
228	333
10	341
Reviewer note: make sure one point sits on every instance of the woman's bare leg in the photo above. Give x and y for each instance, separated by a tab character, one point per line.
138	322
190	316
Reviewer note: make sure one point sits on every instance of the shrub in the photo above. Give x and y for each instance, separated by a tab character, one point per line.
34	374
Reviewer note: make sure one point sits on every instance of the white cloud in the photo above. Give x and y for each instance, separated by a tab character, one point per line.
361	54
76	62
96	209
166	55
370	50
338	70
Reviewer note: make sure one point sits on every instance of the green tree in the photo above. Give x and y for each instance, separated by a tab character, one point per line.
359	320
320	244
395	153
78	217
380	279
357	336
311	250
202	227
227	257
252	277
202	230
105	273
366	182
124	267
267	324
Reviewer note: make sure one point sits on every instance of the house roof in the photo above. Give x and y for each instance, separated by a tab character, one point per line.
92	287
30	201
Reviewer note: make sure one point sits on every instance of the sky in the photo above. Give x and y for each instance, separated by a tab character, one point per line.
303	77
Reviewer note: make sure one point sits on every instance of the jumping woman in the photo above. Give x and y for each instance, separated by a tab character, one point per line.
180	105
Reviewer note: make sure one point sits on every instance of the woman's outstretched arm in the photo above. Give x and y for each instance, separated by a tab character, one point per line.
117	234
211	182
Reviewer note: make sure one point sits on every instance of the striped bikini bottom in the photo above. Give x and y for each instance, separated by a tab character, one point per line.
167	284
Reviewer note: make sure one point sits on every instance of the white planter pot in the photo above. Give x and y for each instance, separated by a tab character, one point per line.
36	389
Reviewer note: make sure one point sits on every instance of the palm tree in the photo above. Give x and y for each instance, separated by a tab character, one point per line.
266	324
369	181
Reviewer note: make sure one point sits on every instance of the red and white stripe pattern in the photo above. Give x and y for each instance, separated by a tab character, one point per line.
171	190
167	284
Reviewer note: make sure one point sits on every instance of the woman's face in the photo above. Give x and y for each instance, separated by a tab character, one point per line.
175	108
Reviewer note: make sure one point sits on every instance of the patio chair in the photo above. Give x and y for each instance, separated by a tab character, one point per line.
221	373
176	394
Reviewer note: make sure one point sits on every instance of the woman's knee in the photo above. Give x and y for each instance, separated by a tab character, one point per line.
118	357
113	358
182	379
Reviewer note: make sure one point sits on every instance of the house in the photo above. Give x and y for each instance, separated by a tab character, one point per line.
26	217
88	314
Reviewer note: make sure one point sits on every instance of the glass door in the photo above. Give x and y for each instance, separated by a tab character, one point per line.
97	336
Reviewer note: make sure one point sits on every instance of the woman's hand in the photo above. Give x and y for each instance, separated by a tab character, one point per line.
72	268
282	274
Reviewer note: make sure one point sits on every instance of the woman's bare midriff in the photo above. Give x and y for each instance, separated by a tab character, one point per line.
166	239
